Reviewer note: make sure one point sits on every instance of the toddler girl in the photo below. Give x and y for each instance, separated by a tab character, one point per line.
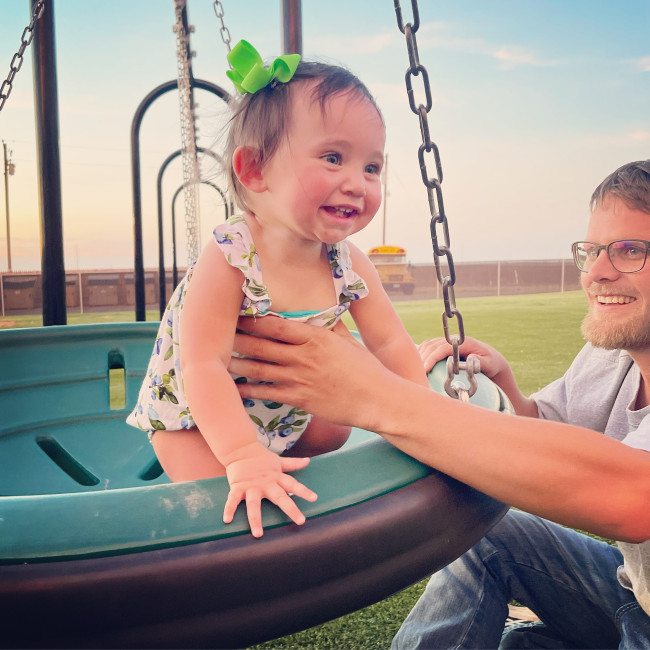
305	154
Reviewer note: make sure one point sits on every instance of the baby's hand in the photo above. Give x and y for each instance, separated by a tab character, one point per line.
256	473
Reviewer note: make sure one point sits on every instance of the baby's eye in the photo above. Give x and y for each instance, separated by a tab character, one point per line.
332	158
372	169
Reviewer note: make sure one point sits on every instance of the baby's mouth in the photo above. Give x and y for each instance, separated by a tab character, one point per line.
341	212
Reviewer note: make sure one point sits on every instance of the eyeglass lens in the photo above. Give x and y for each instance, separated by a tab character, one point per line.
626	256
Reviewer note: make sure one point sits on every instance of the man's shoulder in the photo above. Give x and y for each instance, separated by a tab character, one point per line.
592	354
599	366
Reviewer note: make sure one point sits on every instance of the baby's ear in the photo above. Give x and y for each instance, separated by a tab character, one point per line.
246	165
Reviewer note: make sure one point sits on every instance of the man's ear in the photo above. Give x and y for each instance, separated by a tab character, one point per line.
246	165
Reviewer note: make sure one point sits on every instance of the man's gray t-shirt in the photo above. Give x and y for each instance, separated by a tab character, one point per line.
599	392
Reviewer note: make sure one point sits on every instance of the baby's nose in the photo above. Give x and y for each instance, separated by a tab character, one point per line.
355	184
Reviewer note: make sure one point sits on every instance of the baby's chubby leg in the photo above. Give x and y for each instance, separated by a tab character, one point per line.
185	455
319	437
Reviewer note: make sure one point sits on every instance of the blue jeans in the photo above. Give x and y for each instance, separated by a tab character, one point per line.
566	578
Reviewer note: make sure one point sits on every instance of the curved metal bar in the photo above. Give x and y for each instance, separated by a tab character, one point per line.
174	265
140	306
161	251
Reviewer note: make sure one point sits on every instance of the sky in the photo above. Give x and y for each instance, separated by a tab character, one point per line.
534	103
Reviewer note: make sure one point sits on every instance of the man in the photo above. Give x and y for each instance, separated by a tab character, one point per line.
555	463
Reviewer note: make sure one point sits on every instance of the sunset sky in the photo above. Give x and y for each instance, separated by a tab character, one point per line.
535	102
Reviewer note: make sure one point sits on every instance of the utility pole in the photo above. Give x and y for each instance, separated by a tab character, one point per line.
9	168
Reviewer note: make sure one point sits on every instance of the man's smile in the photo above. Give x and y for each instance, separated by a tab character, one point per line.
619	300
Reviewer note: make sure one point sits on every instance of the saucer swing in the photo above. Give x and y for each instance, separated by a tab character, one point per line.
99	549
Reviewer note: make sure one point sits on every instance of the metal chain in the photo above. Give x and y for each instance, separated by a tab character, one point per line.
188	136
17	60
224	31
439	225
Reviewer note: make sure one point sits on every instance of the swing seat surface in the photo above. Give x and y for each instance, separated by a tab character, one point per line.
104	551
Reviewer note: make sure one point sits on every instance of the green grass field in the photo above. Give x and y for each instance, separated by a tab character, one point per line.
539	334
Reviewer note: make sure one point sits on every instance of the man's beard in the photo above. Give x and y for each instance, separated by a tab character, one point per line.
631	335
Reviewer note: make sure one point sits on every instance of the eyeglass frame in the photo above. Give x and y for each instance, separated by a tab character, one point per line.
601	247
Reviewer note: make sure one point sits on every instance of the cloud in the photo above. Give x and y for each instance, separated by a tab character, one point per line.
439	35
342	45
638	136
431	35
510	57
643	64
624	139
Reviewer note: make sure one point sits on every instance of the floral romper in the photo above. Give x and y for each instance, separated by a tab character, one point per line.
162	404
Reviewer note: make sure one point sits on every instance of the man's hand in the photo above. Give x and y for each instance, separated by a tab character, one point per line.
492	362
493	365
256	473
326	372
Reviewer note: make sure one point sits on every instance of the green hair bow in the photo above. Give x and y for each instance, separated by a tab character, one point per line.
249	74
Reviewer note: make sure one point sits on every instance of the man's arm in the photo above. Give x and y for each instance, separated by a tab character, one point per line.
562	472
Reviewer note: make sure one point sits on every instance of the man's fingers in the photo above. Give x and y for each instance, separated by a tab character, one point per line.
257	348
279	329
432	351
259	370
341	329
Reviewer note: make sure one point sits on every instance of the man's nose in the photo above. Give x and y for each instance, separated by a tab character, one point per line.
602	268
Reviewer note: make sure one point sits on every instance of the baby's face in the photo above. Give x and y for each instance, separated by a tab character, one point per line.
324	179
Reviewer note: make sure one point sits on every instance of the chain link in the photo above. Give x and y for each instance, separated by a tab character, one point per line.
17	60
224	31
439	225
188	136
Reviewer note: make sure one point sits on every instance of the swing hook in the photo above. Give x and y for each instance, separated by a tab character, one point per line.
454	386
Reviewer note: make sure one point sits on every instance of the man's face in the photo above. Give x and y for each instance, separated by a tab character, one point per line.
619	303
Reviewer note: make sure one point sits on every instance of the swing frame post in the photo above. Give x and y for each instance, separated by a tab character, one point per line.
291	27
46	106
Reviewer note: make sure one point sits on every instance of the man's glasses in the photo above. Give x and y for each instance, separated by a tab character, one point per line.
626	255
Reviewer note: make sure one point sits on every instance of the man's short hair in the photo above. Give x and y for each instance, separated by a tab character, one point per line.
630	183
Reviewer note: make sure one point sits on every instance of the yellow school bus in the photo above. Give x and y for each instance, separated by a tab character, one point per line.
393	269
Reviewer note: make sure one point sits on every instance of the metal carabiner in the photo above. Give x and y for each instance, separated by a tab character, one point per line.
456	388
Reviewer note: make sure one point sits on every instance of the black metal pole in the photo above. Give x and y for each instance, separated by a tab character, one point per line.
291	27
49	165
6	166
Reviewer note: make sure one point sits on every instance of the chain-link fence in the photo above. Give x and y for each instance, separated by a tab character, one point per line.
20	292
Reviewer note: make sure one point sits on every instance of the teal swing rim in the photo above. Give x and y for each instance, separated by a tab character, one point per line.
159	514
